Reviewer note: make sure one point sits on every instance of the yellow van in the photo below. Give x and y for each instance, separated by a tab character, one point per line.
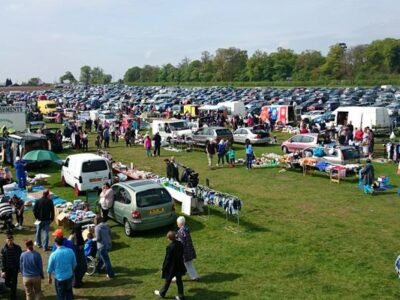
47	106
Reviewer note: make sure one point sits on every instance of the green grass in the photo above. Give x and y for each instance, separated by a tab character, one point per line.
301	237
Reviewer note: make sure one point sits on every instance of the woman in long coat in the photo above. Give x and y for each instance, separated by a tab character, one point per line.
189	253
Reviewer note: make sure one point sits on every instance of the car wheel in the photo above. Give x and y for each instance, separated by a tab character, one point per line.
127	228
285	150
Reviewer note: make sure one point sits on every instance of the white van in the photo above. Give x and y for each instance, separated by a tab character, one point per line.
171	128
85	172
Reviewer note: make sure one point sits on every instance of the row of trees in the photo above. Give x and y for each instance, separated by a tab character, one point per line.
378	60
88	75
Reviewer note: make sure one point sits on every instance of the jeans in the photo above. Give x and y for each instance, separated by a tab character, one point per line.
249	161
148	151
44	225
64	289
104	213
191	269
104	259
11	281
157	150
209	158
221	158
167	283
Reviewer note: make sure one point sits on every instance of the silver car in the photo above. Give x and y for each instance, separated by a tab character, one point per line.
339	155
256	136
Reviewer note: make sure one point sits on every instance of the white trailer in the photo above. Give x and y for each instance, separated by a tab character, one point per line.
362	117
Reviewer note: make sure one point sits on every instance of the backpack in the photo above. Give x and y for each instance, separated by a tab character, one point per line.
397	266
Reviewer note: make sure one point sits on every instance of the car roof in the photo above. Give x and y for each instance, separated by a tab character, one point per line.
140	185
85	156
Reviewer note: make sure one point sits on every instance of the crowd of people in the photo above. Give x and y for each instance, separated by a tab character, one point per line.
67	262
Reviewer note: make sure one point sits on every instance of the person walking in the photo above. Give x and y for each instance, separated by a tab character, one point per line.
173	266
189	253
106	200
249	154
210	150
157	144
79	243
43	210
62	263
31	266
10	255
127	137
103	237
147	145
85	141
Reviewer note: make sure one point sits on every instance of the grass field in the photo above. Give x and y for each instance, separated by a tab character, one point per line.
300	237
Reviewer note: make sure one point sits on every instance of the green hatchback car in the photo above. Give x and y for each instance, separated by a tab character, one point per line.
142	205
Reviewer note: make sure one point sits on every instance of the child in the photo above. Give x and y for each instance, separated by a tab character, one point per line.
90	246
147	145
98	141
231	156
18	205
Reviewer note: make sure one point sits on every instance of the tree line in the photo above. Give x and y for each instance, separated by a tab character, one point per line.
378	60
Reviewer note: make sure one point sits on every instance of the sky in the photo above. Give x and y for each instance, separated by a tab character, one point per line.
46	38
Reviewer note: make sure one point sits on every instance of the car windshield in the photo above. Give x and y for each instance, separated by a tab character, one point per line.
109	116
94	166
258	131
51	105
222	132
179	125
152	197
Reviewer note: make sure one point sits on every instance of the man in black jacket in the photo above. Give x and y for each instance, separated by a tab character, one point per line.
173	266
43	210
10	255
157	144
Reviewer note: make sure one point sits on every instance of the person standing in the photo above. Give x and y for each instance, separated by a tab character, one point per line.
157	144
43	210
221	152
210	150
106	137
175	170
31	266
85	141
62	263
189	253
173	266
20	172
249	154
104	244
10	255
106	200
147	145
79	243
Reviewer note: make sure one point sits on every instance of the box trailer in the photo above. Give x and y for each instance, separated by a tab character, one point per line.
362	117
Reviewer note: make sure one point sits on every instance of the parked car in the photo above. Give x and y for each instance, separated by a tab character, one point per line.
255	135
201	136
340	155
300	142
85	171
142	205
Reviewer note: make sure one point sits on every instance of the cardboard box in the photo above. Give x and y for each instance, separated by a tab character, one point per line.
62	219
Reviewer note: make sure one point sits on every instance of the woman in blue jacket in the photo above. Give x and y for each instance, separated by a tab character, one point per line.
20	171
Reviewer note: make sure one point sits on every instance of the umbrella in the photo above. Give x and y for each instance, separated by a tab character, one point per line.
41	155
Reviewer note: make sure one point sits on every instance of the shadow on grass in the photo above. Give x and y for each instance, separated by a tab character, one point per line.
219	277
208	294
123	271
233	221
115	282
123	297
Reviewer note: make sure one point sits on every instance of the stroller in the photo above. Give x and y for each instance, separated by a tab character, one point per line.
6	212
190	176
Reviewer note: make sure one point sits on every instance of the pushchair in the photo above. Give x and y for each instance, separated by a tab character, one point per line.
190	176
92	260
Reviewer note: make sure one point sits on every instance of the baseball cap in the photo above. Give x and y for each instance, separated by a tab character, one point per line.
58	233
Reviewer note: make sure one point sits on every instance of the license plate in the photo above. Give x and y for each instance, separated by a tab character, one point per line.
156	211
95	179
